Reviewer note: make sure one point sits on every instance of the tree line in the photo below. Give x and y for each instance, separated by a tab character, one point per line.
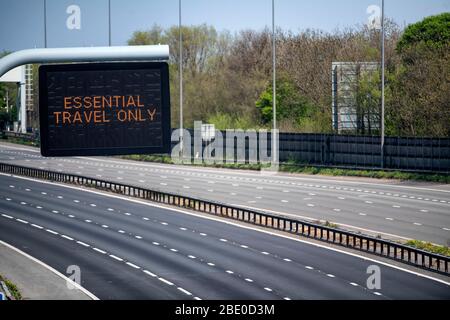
227	77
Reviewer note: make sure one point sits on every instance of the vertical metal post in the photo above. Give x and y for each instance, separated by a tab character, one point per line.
45	23
109	23
274	100
181	77
382	83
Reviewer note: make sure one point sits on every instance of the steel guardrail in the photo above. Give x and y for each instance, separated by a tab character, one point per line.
373	245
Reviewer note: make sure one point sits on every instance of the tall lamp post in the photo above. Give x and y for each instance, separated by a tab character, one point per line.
180	40
382	83
274	92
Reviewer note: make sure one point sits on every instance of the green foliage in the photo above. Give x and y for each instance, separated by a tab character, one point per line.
427	246
223	121
12	288
433	32
290	103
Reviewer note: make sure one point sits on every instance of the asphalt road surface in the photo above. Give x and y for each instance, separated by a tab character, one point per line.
390	208
133	250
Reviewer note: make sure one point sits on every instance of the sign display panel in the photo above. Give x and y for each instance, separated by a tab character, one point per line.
104	108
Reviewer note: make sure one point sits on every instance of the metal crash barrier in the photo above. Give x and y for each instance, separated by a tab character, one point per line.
380	247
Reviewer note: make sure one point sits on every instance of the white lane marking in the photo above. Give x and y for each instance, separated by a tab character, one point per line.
268	289
156	243
110	209
11	186
184	291
23	203
76	201
287	260
93	205
182	228
174	250
38	207
55	211
133	265
127	213
264	252
446	229
88	221
287	298
377	293
83	244
151	274
337	210
164	223
354	284
99	250
59	197
22	221
186	187
26	189
248	280
191	257
223	240
424	210
138	237
76	285
145	218
330	275
310	205
51	231
165	281
395	206
210	264
362	214
390	219
368	201
309	268
203	234
121	231
104	226
417	224
8	199
154	205
37	226
244	246
67	237
6	216
229	272
341	198
115	257
285	201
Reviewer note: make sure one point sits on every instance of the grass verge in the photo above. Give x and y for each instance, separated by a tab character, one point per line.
427	246
12	288
293	167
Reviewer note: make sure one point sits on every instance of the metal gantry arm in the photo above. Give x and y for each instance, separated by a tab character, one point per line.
84	54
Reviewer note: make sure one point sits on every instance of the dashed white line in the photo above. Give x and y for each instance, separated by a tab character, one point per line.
184	291
133	265
210	264
268	289
115	257
248	280
66	237
51	231
22	221
138	237
309	268
229	272
99	250
37	226
156	243
287	260
174	250
83	244
151	274
353	284
191	257
165	281
330	275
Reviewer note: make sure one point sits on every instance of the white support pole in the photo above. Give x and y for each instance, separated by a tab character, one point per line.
84	54
274	92
382	83
180	76
22	115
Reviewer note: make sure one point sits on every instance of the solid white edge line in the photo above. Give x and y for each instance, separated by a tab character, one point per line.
76	285
234	224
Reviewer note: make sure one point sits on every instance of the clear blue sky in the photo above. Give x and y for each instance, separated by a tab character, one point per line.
22	21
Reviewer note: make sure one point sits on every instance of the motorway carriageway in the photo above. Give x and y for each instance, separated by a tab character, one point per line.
389	208
128	249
